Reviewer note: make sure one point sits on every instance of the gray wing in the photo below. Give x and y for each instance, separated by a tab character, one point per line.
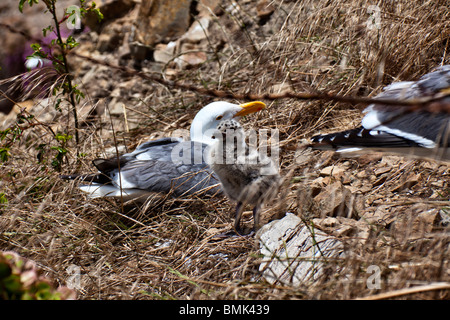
435	81
163	165
161	176
159	149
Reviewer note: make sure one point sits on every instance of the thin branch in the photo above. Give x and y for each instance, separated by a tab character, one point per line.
434	104
52	9
407	291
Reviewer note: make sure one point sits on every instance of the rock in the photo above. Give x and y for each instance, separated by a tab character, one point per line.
416	222
191	58
7	120
124	50
264	9
280	87
163	20
186	51
411	180
306	206
110	38
382	216
111	10
139	51
390	161
198	30
332	171
337	200
381	170
164	52
103	43
292	254
205	7
438	184
426	220
361	174
114	150
324	158
367	158
303	156
444	215
335	226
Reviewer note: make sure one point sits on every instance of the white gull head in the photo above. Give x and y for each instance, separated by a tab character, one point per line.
207	119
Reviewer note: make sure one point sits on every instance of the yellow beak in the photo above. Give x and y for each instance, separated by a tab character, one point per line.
250	107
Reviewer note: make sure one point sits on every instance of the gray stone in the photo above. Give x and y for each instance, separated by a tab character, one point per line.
294	254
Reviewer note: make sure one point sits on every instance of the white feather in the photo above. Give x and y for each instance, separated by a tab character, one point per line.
96	190
424	142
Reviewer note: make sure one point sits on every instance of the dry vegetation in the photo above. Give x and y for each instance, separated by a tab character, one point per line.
166	248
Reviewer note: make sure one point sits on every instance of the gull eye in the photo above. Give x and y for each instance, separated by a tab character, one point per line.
213	137
219	117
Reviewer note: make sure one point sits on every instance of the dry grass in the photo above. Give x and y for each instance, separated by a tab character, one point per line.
166	248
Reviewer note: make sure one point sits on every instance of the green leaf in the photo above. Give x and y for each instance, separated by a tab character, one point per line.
60	150
4	154
21	3
30	2
3	200
99	14
36	47
5	270
48	29
4	133
63	137
13	284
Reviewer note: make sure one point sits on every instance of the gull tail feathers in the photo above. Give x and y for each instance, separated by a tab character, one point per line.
95	190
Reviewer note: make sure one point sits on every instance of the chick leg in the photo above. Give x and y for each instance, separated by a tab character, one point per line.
237	219
256	216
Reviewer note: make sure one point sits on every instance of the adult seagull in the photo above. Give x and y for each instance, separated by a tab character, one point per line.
168	165
396	129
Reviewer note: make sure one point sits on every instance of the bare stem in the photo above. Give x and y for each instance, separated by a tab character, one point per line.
52	9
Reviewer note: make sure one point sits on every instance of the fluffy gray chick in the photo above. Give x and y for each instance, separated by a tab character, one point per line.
247	176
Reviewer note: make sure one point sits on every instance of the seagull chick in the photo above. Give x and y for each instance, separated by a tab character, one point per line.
246	176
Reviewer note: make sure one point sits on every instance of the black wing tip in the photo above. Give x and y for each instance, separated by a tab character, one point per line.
68	176
98	163
96	177
361	138
347	137
107	165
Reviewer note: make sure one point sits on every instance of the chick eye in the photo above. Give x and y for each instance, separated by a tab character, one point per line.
219	118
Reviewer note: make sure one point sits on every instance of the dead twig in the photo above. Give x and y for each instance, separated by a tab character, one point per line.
431	104
407	291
